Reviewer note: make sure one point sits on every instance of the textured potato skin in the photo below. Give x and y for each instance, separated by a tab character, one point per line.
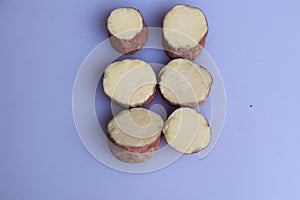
132	154
191	53
129	47
191	105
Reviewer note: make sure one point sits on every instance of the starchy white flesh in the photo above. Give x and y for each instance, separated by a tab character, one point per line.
187	131
129	82
184	27
137	127
184	82
125	23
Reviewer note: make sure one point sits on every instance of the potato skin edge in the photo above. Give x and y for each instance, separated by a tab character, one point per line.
193	105
132	154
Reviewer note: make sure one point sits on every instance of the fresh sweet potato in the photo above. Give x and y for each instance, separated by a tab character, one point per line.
134	135
130	82
127	30
185	30
184	83
187	131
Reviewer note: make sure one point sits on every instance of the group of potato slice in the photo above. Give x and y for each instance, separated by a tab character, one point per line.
135	134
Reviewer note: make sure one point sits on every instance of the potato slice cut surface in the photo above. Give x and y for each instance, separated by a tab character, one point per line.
187	131
125	23
130	82
135	127
184	32
186	83
127	30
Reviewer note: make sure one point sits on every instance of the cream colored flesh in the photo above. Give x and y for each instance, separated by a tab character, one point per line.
184	82
187	131
184	26
135	127
125	23
129	82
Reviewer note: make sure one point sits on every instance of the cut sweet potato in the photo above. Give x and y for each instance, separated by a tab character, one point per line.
135	134
184	83
127	30
187	131
130	82
184	32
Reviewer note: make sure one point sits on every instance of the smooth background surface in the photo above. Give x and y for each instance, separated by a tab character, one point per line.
256	45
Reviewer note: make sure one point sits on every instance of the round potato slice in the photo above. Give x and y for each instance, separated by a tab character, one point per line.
127	30
130	82
135	134
187	131
185	83
184	32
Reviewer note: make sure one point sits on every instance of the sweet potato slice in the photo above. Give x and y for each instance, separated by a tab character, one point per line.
184	32
130	82
135	134
187	131
184	83
127	30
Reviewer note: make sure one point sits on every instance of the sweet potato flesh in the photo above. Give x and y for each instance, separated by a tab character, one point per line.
136	127
184	82
125	23
184	27
130	82
187	131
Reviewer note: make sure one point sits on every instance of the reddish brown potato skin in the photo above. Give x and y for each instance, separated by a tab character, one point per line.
193	105
190	54
129	47
132	154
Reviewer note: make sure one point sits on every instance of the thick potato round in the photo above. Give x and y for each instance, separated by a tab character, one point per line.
184	83
184	32
135	134
187	131
130	82
127	30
